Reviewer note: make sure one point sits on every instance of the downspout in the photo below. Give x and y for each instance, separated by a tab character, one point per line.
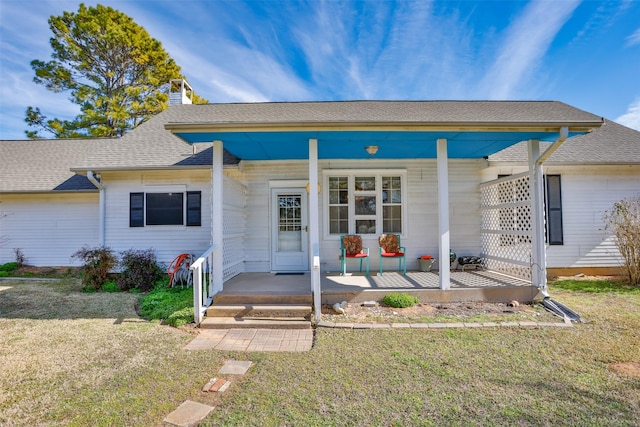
541	246
562	137
95	180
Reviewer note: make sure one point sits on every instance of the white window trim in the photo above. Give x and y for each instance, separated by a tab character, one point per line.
351	174
166	189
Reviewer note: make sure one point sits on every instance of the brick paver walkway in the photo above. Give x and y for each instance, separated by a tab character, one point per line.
253	340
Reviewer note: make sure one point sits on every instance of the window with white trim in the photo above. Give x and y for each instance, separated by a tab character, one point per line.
159	208
365	202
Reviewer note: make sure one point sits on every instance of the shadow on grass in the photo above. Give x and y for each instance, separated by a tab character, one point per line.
25	299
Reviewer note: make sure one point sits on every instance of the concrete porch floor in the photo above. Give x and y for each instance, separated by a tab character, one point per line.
466	286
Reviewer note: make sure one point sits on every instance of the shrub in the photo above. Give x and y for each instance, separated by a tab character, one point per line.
97	262
8	267
20	258
623	219
399	300
140	270
110	286
4	273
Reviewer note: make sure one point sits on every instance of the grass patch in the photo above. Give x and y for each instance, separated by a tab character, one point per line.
88	359
594	286
172	306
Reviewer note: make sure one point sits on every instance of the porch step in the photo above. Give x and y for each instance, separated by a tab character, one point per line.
259	310
255	323
259	298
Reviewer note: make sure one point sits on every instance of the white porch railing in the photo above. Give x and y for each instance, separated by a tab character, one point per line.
203	290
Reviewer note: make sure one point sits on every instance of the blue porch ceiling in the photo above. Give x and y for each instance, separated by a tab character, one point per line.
281	145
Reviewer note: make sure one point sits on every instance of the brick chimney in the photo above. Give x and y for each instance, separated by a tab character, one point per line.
180	92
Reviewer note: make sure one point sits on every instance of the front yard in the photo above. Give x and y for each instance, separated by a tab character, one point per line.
70	358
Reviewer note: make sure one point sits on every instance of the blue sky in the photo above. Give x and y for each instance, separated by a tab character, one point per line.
584	53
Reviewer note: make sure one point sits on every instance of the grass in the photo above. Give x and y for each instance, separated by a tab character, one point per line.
89	359
173	306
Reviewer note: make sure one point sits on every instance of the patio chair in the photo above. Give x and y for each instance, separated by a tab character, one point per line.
351	248
390	247
179	272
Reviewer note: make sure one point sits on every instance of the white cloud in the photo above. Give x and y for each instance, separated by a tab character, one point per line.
632	117
634	38
525	43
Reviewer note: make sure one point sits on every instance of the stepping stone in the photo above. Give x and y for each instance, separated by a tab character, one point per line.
235	367
188	414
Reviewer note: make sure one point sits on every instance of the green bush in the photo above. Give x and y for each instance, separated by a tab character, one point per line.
97	262
10	266
399	300
110	286
140	270
4	273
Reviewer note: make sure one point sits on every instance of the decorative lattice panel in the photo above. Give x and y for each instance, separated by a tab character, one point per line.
234	225
506	225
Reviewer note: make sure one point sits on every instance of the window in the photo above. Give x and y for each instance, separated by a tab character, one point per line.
165	209
553	203
364	203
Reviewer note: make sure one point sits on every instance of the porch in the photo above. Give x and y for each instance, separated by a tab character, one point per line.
487	286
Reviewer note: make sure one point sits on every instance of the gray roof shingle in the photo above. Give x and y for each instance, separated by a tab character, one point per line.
612	143
340	112
43	165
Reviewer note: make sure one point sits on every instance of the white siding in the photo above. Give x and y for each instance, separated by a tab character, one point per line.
420	236
587	192
166	241
48	228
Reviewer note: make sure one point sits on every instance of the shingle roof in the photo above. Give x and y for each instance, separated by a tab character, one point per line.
612	143
43	165
150	146
340	112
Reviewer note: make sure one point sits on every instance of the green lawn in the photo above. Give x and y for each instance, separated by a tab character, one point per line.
77	359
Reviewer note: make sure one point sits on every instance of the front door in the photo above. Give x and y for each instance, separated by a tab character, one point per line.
289	230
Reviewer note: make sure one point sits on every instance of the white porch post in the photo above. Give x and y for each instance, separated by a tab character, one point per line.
538	247
314	228
443	213
217	220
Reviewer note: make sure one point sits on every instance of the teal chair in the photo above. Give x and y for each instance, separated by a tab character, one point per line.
351	248
390	247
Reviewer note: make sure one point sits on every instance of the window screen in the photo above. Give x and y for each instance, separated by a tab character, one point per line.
554	210
165	209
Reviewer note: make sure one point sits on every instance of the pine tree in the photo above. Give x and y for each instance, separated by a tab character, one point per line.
112	68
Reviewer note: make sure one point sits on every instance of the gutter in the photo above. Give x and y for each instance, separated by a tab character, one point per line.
95	180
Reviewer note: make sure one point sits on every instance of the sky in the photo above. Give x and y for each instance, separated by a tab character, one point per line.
583	53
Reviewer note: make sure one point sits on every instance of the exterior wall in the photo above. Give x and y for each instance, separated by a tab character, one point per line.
167	241
48	228
587	192
421	231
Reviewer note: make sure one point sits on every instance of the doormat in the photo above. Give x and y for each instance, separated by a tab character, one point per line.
289	274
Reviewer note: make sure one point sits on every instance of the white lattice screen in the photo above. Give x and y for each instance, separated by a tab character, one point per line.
234	225
506	225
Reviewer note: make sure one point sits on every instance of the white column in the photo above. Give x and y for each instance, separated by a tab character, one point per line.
314	228
538	247
443	213
217	221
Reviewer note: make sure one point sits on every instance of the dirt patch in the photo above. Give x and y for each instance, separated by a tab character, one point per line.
627	368
51	272
470	311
